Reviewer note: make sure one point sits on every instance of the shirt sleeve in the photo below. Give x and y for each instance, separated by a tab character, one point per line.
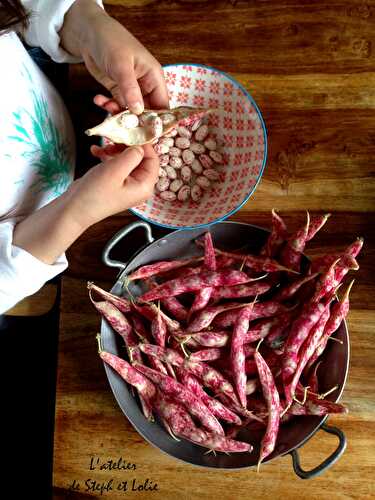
46	20
21	274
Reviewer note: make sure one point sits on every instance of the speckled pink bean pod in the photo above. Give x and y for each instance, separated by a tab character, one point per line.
288	291
210	377
205	318
210	354
176	390
260	331
279	330
271	396
255	262
325	284
306	351
159	330
318	407
161	267
237	353
192	283
277	236
291	254
239	291
339	312
122	304
300	329
201	300
145	388
316	224
210	338
251	386
260	310
215	407
150	311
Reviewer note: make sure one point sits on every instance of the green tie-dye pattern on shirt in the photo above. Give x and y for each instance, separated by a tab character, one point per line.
50	156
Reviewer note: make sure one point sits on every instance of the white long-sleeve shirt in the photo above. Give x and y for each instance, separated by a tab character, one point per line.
37	147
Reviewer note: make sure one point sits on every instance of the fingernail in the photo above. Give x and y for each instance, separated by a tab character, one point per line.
137	108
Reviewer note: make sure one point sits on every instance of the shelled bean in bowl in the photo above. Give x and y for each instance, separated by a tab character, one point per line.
212	157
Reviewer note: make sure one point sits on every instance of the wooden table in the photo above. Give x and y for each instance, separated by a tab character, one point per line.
311	69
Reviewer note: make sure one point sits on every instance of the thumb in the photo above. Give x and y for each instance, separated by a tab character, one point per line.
124	75
124	163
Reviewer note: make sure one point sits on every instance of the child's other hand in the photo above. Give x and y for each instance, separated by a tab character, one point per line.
120	182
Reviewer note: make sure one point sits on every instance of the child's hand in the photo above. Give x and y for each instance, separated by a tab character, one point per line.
114	57
119	183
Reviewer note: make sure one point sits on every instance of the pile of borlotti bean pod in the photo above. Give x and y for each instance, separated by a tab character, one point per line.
230	340
189	158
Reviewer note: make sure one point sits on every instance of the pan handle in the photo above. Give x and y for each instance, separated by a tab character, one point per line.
328	462
118	237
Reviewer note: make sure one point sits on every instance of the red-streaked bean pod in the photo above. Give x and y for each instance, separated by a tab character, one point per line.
299	331
272	399
291	254
205	318
161	267
192	283
306	351
251	386
260	310
279	330
288	291
316	224
159	330
210	354
122	304
201	300
239	291
313	381
237	354
216	407
256	263
260	330
149	311
277	236
210	339
176	390
132	376
339	312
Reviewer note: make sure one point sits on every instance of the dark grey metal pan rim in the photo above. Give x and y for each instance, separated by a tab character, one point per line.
133	412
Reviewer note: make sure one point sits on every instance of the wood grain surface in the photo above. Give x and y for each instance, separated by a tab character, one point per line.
310	67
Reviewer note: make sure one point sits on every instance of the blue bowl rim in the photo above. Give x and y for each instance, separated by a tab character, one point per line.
265	139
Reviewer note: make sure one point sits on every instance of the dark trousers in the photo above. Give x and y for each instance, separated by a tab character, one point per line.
28	373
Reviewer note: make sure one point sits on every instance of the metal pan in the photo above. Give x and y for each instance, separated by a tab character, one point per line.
333	370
